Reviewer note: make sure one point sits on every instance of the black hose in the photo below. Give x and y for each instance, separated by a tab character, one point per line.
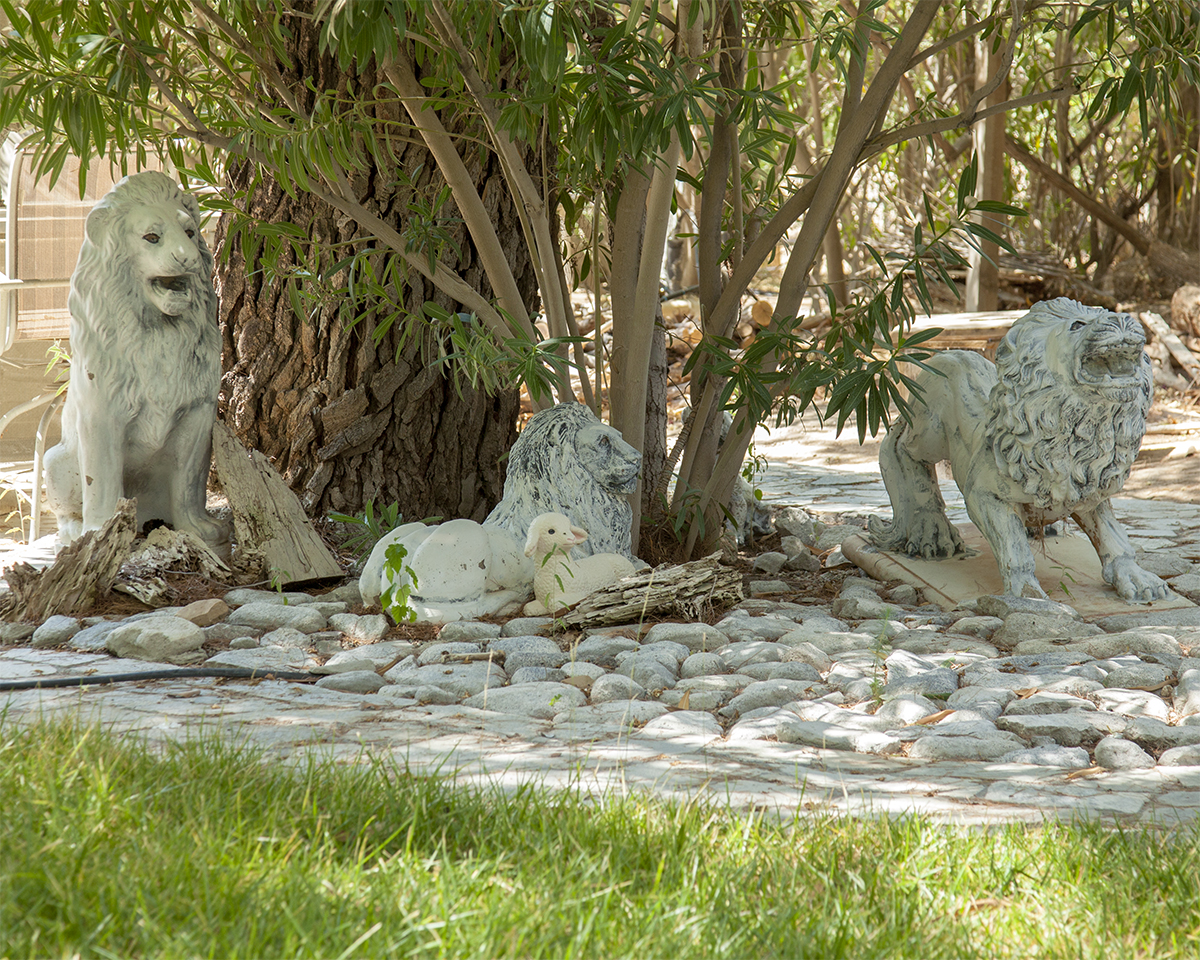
182	673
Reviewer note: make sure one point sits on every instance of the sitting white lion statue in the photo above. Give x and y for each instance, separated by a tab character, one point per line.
1049	431
145	366
565	461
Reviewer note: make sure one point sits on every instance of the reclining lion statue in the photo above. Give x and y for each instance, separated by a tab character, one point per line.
1049	431
565	461
145	367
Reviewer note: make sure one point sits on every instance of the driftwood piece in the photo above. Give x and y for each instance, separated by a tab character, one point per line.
688	590
268	520
1183	356
81	574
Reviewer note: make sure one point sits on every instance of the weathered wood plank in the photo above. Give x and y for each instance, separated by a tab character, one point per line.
81	574
268	520
1157	326
690	590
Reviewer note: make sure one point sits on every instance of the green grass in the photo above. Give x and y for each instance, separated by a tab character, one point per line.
111	850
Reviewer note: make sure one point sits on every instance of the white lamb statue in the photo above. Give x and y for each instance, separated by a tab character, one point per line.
560	581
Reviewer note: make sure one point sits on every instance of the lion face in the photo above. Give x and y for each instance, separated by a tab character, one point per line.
608	458
1099	350
162	244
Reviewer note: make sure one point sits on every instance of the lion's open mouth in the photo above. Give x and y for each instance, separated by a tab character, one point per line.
1110	363
176	284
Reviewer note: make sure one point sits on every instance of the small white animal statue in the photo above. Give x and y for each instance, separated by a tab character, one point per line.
146	366
561	582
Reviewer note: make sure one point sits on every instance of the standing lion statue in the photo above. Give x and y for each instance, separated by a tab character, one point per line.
565	461
1049	431
145	368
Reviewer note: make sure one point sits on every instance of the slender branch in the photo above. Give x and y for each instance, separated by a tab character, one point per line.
963	120
241	44
934	49
479	222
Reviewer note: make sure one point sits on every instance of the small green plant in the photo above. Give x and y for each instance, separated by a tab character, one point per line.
368	529
400	579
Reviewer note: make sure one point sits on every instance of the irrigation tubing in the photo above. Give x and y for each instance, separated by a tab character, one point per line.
183	673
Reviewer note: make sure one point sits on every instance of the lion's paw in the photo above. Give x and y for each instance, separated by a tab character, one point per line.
1135	585
930	538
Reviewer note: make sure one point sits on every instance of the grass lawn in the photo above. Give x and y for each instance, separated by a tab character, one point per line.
108	849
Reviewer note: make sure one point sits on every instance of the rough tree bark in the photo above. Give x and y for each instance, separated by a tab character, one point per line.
343	418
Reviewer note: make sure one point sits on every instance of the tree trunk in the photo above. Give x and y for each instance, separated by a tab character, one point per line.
343	418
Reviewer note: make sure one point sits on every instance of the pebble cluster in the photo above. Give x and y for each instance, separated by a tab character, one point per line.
874	672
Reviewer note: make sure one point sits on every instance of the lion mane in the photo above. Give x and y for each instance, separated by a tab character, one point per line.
1060	438
567	461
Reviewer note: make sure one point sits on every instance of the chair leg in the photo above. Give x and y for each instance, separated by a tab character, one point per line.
39	451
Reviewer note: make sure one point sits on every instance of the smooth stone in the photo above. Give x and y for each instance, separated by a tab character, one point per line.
581	668
863	608
618	714
603	650
437	653
522	644
158	640
981	627
767	693
702	665
682	724
1132	703
1072	729
794	670
421	694
805	652
270	616
818	733
16	632
1155	735
1043	703
541	701
880	631
460	630
1032	626
974	695
1117	753
463	679
545	659
1141	675
650	673
904	594
1187	690
1165	565
245	643
526	626
204	613
906	708
985	749
769	563
229	631
1164	619
803	561
94	639
1136	642
1004	606
741	628
54	631
262	658
768	725
937	684
709	700
697	637
615	686
535	675
382	654
1185	756
353	681
284	637
366	629
839	643
244	595
797	522
743	652
1052	755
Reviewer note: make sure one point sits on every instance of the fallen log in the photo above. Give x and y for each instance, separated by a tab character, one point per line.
689	590
81	574
1157	326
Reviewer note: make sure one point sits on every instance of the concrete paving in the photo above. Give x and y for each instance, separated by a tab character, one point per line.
593	751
